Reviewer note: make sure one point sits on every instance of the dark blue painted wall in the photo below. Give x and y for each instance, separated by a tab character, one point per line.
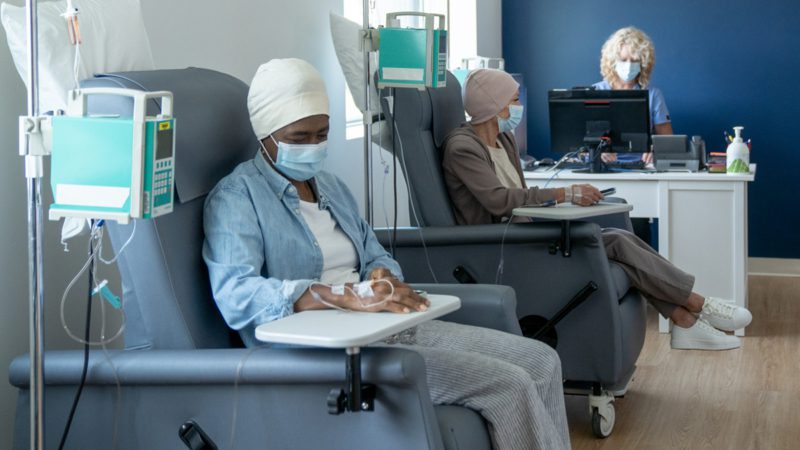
719	63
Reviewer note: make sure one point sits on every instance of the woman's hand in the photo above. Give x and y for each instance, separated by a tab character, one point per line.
388	294
647	157
608	157
404	299
583	194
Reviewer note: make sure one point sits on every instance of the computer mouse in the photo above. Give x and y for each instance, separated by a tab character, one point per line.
546	162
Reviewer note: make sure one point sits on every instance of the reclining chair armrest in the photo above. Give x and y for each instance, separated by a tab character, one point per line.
270	388
264	365
482	305
473	234
548	231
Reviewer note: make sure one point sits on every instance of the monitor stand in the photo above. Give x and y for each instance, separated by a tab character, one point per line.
596	164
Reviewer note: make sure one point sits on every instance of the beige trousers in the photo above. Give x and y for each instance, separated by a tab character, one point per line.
663	284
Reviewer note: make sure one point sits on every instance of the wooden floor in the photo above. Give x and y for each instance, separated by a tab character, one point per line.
748	398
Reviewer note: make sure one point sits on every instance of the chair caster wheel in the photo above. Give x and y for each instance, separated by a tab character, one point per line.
603	415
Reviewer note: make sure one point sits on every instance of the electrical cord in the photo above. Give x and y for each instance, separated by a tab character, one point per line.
87	334
117	383
383	184
236	381
122	249
555	166
393	239
498	276
413	208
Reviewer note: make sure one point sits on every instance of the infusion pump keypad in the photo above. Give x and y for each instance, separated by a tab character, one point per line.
162	182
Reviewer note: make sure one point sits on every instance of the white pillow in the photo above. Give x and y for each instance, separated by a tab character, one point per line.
346	36
114	39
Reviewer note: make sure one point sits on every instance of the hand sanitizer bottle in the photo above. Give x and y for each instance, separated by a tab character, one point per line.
737	157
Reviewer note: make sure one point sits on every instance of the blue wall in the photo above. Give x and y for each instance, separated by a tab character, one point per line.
719	64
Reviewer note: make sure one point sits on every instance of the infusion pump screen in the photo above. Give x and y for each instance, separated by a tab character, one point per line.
164	142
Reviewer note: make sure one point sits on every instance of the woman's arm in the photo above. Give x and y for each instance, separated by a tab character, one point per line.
464	162
234	253
663	128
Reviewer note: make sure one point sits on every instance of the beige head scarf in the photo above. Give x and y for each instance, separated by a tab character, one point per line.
487	92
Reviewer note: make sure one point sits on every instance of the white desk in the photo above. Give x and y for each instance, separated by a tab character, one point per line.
702	226
332	328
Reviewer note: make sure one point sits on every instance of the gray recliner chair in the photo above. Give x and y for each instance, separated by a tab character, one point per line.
183	367
600	340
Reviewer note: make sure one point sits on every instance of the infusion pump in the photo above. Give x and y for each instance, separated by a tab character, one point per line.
113	167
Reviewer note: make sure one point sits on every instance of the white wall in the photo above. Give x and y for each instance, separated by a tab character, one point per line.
13	243
244	34
490	28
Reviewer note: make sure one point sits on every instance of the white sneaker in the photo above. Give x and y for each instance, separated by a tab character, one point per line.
702	336
725	315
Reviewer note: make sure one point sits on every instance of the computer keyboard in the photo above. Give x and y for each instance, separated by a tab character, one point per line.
626	165
616	165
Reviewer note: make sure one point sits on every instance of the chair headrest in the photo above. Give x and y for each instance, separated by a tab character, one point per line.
213	131
448	109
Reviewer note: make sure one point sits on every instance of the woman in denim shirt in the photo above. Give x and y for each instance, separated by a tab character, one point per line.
278	224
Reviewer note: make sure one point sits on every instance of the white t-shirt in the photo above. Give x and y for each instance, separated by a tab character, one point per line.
503	168
339	257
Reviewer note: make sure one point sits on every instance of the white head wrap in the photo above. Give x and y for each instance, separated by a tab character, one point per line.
284	91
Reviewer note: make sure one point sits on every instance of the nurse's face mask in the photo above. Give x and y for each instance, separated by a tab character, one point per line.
628	66
627	70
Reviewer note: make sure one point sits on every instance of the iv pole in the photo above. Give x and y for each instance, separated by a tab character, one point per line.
368	115
29	130
367	119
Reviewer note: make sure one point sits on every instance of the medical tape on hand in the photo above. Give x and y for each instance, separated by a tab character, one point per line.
315	295
364	289
567	194
576	196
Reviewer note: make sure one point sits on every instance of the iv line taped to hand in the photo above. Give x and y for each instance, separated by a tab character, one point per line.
362	291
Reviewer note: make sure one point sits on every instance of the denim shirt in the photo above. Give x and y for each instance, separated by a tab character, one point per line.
261	254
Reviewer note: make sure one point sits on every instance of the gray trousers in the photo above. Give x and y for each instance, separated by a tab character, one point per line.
663	284
513	382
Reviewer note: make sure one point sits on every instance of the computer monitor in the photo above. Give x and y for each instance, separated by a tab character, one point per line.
599	121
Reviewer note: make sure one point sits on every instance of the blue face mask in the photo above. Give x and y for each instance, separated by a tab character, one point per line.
514	118
299	161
